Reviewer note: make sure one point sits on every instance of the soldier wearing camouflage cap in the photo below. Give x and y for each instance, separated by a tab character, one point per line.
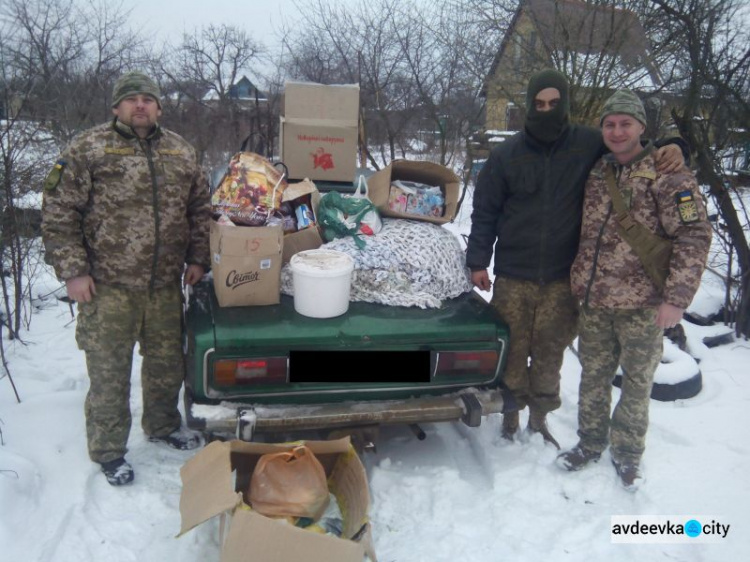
527	212
626	103
133	83
623	312
126	213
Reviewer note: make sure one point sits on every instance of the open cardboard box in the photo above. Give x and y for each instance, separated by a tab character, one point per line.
319	130
379	186
214	483
308	238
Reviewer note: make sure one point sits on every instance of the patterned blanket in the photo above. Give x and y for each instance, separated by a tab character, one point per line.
408	263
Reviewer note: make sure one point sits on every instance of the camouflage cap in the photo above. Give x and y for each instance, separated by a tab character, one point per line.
135	83
624	101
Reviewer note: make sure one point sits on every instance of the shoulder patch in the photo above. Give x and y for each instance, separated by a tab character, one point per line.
120	151
686	207
55	175
648	174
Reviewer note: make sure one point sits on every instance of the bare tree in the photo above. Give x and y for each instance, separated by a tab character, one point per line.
202	73
57	61
30	48
442	70
710	46
344	44
410	63
600	45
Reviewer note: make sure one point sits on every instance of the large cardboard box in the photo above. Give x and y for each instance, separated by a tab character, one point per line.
319	131
246	264
215	482
379	185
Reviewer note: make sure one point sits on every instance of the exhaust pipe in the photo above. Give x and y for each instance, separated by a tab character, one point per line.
418	431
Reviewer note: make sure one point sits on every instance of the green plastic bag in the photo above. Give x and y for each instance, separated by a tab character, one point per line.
340	216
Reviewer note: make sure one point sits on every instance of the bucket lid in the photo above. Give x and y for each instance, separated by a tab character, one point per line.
322	263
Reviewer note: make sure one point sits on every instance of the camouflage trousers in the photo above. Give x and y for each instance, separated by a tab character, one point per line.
542	321
108	328
608	338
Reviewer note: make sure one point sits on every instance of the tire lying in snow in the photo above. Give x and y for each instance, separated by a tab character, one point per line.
677	377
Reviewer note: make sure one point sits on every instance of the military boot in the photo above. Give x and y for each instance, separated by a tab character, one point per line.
118	472
577	458
538	424
182	439
630	474
510	425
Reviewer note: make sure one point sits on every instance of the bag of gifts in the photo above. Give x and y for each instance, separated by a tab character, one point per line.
289	484
250	190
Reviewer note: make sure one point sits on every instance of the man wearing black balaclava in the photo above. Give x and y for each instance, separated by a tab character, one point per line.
527	204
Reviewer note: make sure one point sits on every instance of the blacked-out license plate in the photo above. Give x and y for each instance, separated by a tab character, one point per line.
359	366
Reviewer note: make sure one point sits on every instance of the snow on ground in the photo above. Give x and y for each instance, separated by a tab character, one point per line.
461	494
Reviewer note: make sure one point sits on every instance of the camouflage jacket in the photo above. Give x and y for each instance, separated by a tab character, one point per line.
126	211
606	272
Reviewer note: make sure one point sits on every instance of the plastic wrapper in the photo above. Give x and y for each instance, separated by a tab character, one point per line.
250	190
304	216
290	483
416	199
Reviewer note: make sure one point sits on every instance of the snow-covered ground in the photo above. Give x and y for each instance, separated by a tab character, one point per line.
461	494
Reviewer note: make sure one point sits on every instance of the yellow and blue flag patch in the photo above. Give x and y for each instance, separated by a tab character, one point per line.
686	207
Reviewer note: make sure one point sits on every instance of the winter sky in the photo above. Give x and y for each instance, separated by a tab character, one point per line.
168	19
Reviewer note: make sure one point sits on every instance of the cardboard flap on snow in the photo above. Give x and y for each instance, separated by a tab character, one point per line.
216	478
207	486
429	173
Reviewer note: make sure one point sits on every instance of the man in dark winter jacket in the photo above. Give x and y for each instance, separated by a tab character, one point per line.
527	207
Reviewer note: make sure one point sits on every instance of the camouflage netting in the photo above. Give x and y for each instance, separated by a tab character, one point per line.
408	263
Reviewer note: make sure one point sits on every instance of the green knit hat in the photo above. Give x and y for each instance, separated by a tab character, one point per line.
624	101
133	83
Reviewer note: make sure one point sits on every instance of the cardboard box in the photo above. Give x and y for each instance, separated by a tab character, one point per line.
215	481
319	131
309	238
246	264
379	185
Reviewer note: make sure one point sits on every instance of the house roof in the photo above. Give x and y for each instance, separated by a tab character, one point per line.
581	27
243	90
590	28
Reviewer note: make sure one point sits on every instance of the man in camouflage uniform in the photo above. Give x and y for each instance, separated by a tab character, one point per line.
126	207
623	313
527	204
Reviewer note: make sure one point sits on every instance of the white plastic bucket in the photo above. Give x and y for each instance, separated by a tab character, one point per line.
322	282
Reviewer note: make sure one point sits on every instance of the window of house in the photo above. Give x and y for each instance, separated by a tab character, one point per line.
513	117
531	47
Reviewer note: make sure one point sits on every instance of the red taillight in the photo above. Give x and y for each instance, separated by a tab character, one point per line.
473	363
262	370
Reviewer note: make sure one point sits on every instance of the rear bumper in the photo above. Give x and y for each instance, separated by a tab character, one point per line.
244	421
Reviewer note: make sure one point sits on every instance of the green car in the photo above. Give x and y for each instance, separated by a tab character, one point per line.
268	369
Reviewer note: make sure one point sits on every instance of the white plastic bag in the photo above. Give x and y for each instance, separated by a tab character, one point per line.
370	223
